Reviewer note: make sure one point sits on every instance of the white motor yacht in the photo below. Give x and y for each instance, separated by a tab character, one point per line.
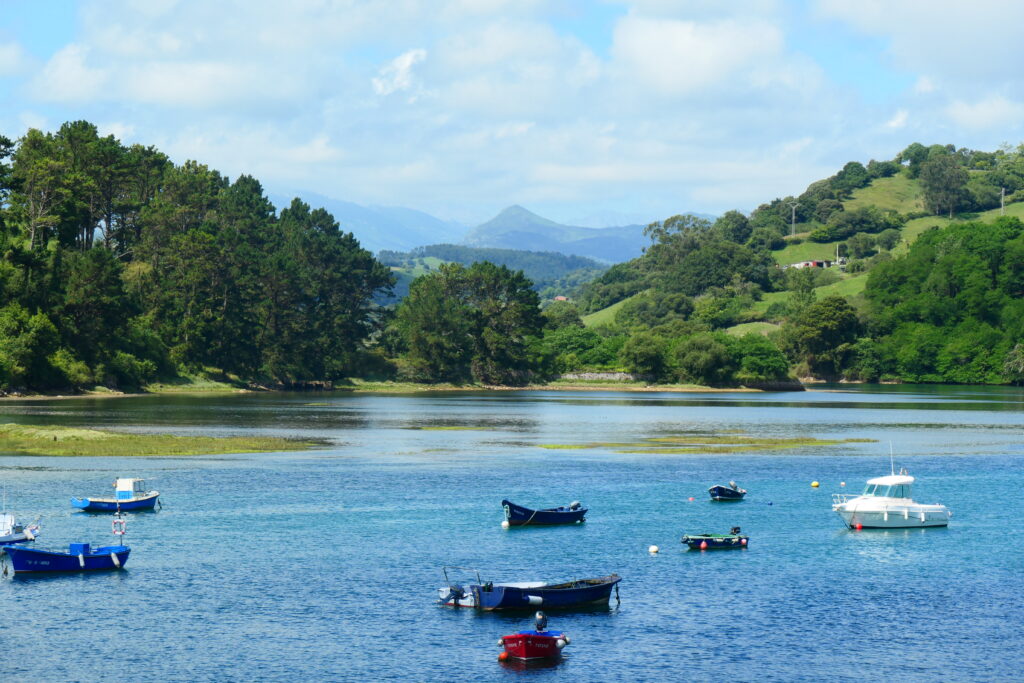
886	504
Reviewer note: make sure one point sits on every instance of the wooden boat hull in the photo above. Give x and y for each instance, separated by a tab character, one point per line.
716	542
147	502
33	561
726	494
530	596
517	515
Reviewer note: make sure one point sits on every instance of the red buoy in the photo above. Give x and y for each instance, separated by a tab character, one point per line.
858	526
703	545
743	541
691	499
502	656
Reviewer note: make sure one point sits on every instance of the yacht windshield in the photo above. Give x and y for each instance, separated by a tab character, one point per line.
876	490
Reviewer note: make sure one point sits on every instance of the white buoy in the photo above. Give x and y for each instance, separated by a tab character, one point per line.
504	524
653	549
842	483
560	643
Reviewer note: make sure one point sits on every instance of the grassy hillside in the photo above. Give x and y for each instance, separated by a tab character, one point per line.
897	193
805	251
605	316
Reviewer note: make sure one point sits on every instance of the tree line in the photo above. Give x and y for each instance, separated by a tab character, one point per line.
120	267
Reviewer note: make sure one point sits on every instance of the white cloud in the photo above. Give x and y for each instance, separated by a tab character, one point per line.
12	59
992	112
397	75
67	77
952	39
924	85
683	57
898	120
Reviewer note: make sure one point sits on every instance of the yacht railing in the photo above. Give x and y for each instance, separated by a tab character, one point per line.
842	498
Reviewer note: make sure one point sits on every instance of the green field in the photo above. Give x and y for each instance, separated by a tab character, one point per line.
606	316
898	193
806	251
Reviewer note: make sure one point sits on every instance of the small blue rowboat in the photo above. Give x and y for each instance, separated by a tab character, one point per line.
727	493
79	558
129	494
529	595
517	515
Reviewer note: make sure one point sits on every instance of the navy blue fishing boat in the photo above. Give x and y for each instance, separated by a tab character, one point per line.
727	493
528	594
79	558
733	539
517	515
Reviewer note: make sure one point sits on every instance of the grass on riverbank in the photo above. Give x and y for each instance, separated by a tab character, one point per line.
706	443
70	441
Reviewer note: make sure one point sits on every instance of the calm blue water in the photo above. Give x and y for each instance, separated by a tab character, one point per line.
324	564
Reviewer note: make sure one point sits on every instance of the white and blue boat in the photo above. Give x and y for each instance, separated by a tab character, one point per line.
12	532
129	494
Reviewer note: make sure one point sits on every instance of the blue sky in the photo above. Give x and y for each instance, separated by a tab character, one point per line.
642	108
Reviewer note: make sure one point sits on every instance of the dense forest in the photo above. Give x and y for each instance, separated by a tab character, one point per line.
551	273
120	267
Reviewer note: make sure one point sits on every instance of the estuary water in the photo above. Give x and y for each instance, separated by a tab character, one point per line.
325	564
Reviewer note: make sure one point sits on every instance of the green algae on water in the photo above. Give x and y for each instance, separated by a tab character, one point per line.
75	441
707	443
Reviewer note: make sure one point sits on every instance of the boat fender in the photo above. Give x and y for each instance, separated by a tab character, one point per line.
501	641
560	643
504	524
703	545
81	561
503	656
743	541
922	516
534	600
117	562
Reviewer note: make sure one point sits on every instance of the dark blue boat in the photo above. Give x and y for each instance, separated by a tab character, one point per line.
129	495
529	595
727	493
732	540
79	558
517	515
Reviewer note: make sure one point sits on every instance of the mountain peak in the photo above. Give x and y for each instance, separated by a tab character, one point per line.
519	214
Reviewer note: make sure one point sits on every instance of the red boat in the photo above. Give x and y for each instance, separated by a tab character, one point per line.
533	645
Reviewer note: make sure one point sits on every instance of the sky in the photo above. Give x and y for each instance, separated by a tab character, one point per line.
635	108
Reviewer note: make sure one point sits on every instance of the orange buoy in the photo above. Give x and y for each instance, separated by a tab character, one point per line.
503	656
703	545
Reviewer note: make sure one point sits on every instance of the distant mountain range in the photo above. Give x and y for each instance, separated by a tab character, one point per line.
396	228
382	227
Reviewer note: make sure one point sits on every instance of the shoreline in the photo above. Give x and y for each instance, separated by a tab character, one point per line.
365	387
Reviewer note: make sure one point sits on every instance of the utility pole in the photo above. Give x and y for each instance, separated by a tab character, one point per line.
792	224
1002	201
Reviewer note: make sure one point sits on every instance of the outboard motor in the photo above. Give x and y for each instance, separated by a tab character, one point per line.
575	505
542	621
455	593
